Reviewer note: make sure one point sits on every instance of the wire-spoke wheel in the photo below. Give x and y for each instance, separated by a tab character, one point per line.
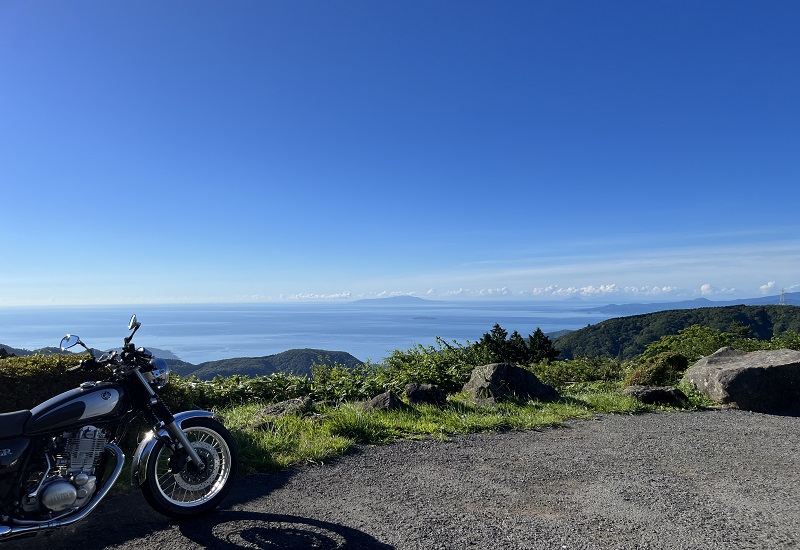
180	489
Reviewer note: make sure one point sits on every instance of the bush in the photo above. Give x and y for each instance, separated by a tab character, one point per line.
578	371
446	365
692	342
191	393
27	381
665	369
337	382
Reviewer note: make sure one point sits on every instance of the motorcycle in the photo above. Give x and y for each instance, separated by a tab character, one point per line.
54	457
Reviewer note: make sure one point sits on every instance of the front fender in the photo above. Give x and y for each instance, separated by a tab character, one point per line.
142	454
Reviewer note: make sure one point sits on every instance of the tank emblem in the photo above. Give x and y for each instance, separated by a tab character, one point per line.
5	452
106	395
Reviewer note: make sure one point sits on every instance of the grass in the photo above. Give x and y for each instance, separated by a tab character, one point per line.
313	439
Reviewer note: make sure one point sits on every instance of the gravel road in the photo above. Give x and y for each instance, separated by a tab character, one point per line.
717	479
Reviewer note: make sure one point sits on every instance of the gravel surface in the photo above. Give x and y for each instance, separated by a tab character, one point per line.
718	479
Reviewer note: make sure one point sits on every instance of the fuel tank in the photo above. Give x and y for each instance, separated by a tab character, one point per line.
91	402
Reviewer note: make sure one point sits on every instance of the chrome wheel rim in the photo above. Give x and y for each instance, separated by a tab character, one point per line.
187	489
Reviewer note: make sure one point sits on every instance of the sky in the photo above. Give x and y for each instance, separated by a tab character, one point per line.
278	151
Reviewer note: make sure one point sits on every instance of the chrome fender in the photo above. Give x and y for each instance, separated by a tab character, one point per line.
142	454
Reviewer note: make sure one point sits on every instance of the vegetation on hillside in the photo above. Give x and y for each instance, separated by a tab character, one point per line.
587	384
624	338
297	361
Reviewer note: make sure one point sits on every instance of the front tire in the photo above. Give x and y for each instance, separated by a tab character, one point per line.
181	493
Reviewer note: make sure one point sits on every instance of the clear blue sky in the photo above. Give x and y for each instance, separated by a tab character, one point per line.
197	151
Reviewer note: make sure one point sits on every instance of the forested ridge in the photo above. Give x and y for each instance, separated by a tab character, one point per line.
626	337
297	361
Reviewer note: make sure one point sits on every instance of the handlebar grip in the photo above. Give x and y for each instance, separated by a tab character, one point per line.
85	365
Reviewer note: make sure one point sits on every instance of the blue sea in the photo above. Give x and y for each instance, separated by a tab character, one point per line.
366	329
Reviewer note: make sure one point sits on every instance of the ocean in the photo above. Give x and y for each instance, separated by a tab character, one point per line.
369	329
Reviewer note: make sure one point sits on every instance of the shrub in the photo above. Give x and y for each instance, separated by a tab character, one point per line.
579	370
448	365
692	342
27	381
786	340
665	369
337	382
191	393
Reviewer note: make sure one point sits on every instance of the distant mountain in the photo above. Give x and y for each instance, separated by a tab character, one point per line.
158	352
297	361
52	350
626	337
790	298
558	333
20	352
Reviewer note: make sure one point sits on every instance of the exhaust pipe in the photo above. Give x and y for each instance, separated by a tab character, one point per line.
7	532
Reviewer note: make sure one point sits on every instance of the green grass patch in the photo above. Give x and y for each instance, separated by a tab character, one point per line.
696	399
313	439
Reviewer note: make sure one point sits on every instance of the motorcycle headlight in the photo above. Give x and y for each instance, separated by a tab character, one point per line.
159	375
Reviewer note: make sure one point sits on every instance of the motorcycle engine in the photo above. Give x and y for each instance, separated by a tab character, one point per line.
71	481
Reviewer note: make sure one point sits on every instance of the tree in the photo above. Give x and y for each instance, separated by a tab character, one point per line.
500	348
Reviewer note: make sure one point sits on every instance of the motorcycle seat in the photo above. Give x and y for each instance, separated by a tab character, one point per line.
12	424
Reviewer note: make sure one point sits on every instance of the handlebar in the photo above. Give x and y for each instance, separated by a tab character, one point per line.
87	365
129	358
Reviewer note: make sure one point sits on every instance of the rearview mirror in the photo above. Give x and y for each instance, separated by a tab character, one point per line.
134	323
69	341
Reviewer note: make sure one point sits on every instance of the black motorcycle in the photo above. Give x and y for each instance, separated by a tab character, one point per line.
54	458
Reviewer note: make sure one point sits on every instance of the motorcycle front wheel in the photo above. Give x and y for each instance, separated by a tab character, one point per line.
176	489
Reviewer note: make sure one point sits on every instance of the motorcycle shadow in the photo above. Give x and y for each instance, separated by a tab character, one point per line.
229	529
126	521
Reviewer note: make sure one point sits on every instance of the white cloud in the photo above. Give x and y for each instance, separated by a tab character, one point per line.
544	291
709	289
311	296
493	291
767	287
588	290
459	292
651	290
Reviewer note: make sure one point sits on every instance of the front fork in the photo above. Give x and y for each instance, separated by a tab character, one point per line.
145	449
170	425
177	435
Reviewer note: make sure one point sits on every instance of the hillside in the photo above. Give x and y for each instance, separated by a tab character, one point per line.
297	361
626	337
19	352
790	298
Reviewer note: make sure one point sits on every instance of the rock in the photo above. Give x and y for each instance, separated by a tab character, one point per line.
656	395
425	393
760	381
386	401
298	405
502	380
484	402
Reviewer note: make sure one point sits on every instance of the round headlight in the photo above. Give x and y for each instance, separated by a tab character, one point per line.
159	376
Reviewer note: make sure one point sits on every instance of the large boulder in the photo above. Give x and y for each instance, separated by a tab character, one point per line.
431	394
386	401
761	381
502	380
263	418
